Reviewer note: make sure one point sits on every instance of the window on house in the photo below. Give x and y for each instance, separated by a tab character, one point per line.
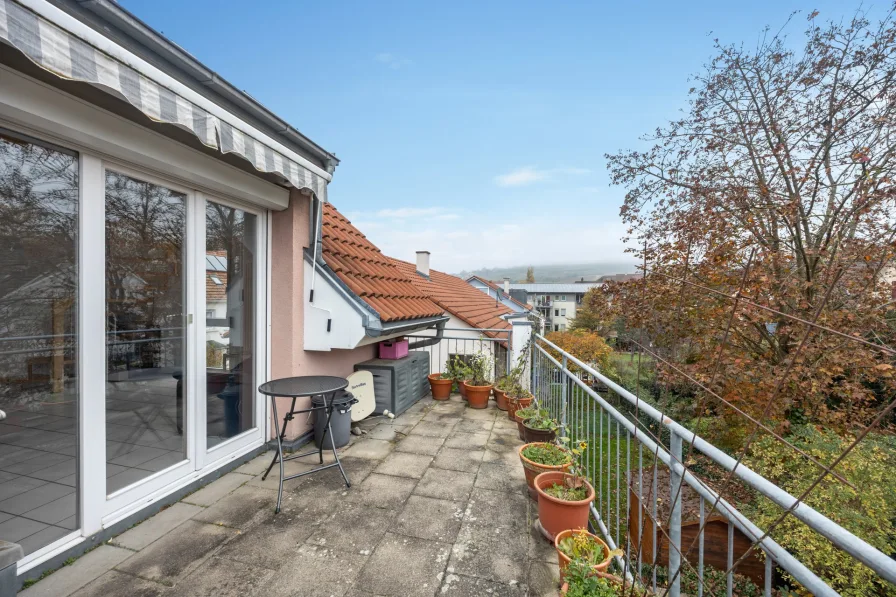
562	297
556	312
563	312
556	327
562	327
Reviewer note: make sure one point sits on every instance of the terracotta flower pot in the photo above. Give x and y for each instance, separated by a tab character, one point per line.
516	403
533	469
441	388
557	515
462	388
563	559
477	396
500	399
537	435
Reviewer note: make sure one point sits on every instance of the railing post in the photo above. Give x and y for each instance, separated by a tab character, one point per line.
563	405
675	516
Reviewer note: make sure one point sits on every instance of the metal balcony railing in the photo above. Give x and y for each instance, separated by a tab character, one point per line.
632	447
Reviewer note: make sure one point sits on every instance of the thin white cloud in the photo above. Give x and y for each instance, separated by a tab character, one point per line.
527	175
408	212
392	61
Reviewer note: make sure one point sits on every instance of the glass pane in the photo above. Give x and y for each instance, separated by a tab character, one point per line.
38	343
230	321
145	386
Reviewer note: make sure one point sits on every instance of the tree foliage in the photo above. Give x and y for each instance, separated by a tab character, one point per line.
530	275
586	346
867	511
770	204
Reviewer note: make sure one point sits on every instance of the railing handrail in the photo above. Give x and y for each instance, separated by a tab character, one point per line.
839	536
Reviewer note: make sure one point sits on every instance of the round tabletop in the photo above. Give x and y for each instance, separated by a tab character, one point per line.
308	385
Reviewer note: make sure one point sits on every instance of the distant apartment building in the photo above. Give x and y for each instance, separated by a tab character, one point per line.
557	303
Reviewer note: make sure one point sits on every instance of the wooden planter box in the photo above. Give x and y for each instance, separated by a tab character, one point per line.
715	540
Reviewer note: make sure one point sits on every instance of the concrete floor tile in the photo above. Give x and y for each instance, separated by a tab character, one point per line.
217	489
456	585
176	554
405	566
382	491
403	464
430	518
499	477
84	570
241	509
466	441
431	429
456	459
420	444
445	484
156	527
117	584
375	449
314	571
498	555
354	528
218	577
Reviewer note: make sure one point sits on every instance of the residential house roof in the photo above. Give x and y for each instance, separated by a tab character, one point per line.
369	274
501	292
456	296
549	288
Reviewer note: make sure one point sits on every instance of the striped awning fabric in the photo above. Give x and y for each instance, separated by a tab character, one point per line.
68	56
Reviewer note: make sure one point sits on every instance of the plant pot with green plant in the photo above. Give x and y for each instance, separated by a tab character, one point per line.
479	387
500	393
581	580
564	498
440	383
527	413
581	546
539	428
540	458
456	370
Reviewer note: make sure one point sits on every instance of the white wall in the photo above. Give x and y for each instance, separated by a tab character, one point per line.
467	342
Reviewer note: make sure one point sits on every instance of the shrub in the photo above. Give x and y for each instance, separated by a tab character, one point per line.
868	511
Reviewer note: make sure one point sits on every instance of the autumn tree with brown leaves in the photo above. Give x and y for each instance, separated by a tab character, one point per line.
766	222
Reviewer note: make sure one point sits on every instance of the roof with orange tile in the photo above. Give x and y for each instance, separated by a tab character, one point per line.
456	296
494	286
369	274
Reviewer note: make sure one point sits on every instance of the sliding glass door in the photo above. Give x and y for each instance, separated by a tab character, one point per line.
231	251
146	339
39	340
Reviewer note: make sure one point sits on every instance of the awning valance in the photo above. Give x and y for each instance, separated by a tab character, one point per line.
67	55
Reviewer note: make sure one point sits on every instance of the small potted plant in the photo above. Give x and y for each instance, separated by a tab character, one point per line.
479	387
539	458
539	428
563	498
526	413
582	546
582	581
440	383
457	370
500	392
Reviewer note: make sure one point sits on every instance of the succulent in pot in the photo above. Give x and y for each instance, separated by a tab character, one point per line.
581	580
582	547
522	414
478	385
542	457
539	428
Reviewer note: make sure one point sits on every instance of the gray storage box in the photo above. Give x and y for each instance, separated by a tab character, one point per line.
397	384
10	554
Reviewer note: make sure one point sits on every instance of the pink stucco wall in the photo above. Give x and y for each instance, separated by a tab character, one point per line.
289	237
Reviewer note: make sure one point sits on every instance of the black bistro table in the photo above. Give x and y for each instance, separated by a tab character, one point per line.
295	387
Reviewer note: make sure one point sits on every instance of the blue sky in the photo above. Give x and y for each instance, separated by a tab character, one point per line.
474	130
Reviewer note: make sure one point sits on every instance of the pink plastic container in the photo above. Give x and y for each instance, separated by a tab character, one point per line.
393	349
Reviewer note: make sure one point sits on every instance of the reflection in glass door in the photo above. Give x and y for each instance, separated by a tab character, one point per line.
145	335
231	240
39	341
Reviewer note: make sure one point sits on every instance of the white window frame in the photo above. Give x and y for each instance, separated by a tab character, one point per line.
100	138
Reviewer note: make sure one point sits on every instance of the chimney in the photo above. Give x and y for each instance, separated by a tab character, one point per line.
423	263
506	285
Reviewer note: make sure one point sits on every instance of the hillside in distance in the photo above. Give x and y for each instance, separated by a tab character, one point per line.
569	272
